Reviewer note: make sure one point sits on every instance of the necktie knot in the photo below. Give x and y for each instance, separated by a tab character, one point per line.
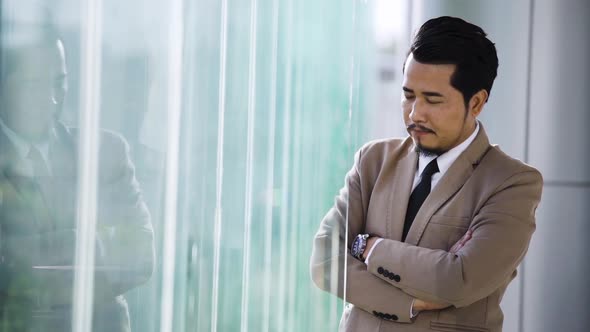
430	169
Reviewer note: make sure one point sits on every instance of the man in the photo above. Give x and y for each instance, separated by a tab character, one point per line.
437	222
38	206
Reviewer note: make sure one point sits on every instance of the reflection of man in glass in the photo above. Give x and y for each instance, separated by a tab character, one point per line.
38	182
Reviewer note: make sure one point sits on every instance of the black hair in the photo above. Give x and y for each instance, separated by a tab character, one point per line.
451	40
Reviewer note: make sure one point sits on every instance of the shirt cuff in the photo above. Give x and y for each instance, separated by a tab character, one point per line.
412	312
371	251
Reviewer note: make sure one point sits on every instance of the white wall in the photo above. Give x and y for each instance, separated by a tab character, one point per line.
556	289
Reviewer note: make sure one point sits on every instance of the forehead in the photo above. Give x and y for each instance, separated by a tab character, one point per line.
422	76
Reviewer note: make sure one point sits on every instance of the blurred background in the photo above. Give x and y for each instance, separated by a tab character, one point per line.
242	118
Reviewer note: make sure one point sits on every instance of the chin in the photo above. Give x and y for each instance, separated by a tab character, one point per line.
428	151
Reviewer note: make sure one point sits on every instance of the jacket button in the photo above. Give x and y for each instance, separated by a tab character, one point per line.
391	276
375	313
380	270
387	316
394	317
397	278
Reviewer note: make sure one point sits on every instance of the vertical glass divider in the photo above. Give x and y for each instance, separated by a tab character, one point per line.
174	105
270	169
219	171
90	80
350	140
286	163
249	167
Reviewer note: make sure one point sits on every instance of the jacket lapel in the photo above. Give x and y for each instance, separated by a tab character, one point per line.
11	164
449	184
25	190
44	194
400	193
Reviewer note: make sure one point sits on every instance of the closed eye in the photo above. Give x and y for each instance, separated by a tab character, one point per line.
433	102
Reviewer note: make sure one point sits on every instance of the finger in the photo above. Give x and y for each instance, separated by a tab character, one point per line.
459	244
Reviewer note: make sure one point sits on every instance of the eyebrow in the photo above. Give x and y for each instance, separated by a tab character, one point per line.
426	93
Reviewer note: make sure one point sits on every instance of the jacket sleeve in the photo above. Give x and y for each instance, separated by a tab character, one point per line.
501	232
125	239
334	270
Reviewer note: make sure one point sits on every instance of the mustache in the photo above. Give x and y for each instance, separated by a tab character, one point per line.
414	126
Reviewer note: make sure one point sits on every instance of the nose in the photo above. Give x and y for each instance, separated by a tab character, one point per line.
417	112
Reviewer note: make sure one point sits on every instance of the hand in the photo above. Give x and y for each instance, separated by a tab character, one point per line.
420	305
457	246
370	243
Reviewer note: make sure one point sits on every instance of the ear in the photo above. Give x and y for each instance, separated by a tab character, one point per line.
477	102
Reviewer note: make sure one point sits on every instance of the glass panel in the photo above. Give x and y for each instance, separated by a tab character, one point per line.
271	98
268	133
52	76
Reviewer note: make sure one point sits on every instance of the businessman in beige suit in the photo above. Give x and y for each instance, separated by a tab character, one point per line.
428	231
39	177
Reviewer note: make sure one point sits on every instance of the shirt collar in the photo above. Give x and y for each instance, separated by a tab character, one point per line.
446	159
21	145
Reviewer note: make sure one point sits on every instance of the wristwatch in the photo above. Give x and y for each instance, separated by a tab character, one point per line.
358	246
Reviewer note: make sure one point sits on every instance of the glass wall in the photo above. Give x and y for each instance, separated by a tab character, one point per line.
166	164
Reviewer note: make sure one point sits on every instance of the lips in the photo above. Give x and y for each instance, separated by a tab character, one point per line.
421	132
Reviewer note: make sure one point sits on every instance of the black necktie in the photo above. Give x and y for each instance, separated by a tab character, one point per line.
419	195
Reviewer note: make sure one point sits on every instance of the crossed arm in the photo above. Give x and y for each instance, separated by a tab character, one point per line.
434	278
335	270
420	305
124	251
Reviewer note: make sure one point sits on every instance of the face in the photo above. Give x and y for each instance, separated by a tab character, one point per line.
434	111
33	90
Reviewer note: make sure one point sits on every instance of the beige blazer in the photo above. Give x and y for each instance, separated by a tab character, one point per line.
484	190
38	228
